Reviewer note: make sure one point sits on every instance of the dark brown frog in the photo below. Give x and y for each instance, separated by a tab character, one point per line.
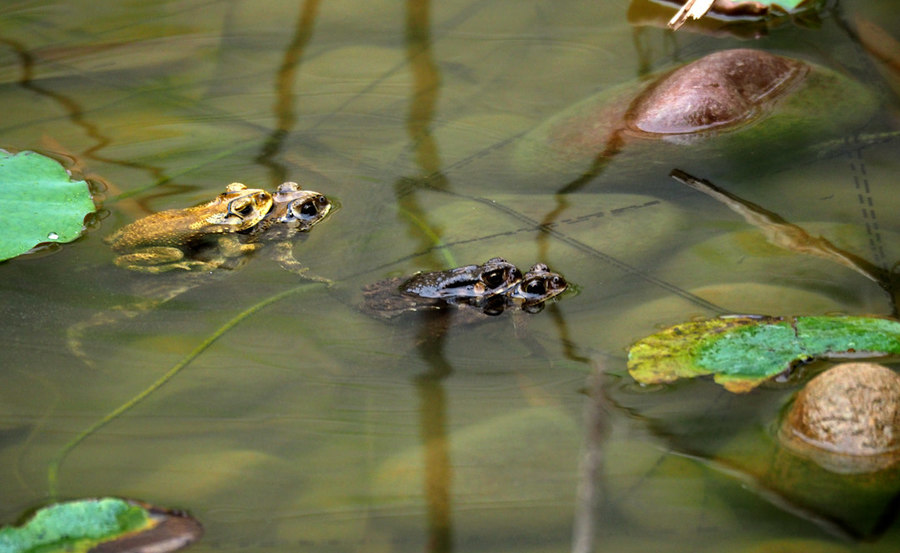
471	285
536	287
473	291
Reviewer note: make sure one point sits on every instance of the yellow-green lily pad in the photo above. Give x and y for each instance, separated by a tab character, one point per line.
40	203
743	351
108	524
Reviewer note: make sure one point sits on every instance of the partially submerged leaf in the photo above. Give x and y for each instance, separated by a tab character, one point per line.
109	525
753	9
40	203
743	351
783	234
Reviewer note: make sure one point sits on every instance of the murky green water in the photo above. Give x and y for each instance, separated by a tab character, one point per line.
309	426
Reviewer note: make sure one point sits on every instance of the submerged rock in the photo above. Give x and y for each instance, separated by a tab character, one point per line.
724	89
847	419
742	102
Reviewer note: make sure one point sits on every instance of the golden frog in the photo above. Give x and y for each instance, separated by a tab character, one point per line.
167	240
258	222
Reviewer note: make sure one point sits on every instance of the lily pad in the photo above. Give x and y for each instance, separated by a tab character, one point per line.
744	351
40	203
109	525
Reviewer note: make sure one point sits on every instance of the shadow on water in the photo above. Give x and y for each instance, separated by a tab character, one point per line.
590	493
438	469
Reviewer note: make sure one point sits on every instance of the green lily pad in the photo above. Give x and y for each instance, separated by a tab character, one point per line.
744	351
119	525
40	203
788	5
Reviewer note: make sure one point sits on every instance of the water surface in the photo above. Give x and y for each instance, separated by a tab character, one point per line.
309	426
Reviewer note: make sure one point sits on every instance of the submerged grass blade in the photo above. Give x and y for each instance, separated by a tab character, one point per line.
436	241
56	461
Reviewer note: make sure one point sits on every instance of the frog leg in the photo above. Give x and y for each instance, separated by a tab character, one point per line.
283	252
153	259
75	333
231	246
161	259
152	293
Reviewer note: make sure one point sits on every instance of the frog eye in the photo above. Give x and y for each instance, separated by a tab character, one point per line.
242	207
499	277
536	287
310	209
307	210
493	278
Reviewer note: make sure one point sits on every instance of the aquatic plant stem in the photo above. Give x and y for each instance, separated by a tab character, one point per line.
435	239
56	461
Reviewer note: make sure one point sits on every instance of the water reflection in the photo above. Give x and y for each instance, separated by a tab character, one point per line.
792	238
432	397
75	113
284	108
423	102
355	409
591	492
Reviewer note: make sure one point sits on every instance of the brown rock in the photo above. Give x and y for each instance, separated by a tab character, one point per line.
724	88
848	418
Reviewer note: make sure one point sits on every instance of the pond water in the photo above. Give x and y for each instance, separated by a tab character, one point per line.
302	424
